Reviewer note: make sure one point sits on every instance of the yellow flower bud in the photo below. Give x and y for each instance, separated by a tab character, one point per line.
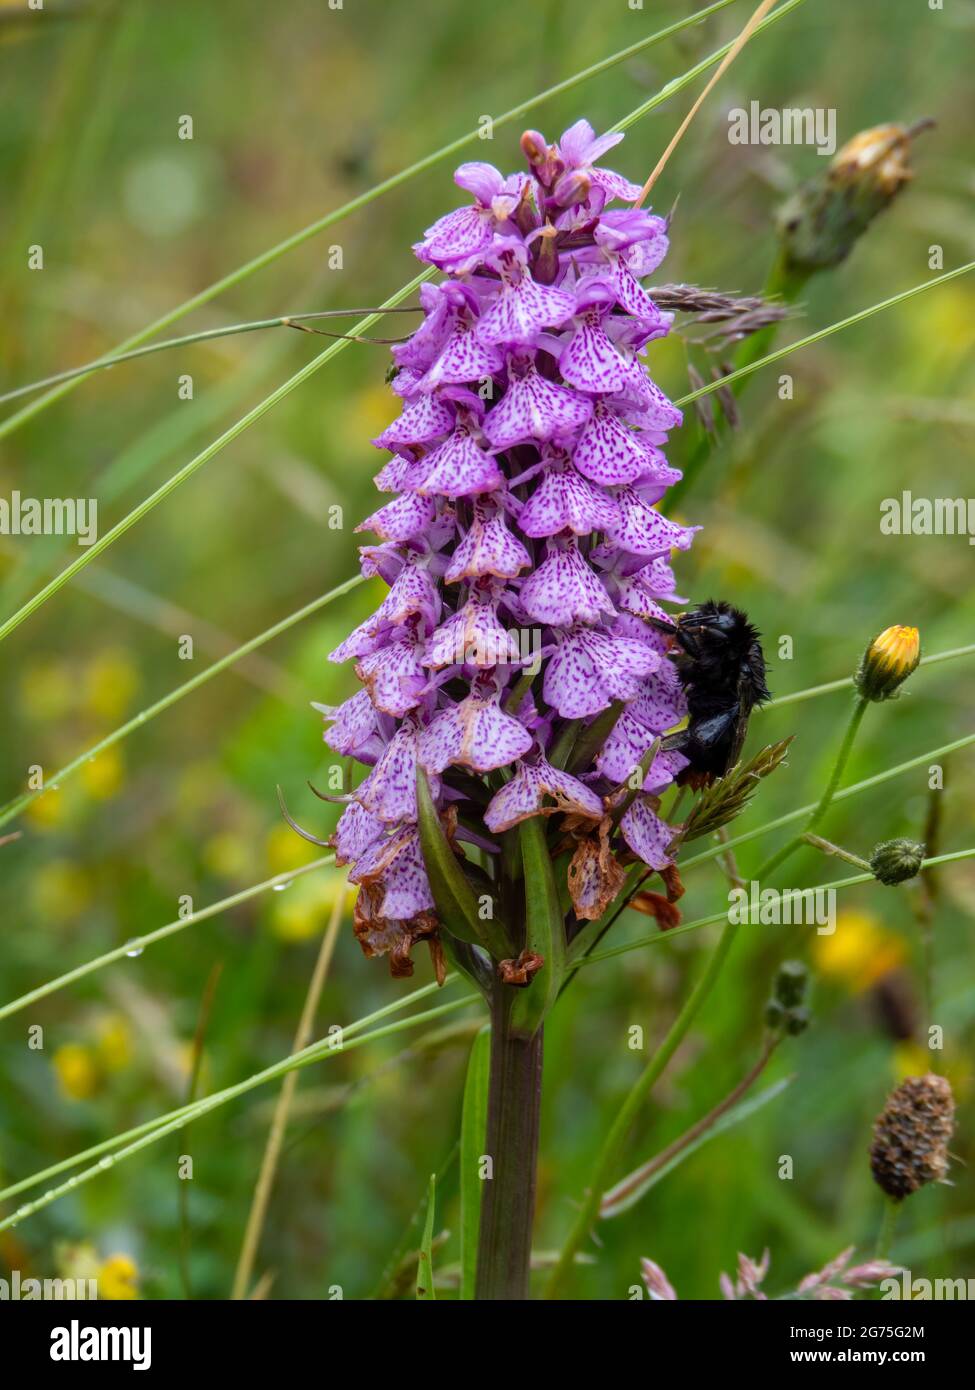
887	662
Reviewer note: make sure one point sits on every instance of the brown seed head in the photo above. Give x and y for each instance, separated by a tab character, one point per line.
911	1136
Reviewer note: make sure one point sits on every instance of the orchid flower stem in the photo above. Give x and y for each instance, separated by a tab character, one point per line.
508	1201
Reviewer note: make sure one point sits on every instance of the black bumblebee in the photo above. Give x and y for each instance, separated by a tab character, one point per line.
722	669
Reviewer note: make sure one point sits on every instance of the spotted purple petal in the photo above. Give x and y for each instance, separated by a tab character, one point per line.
488	548
565	501
402	519
525	796
475	734
534	408
589	670
564	590
459	468
646	834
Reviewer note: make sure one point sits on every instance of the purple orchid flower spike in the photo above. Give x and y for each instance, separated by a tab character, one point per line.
528	565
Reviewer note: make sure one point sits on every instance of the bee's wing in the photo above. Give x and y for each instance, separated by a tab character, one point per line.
745	704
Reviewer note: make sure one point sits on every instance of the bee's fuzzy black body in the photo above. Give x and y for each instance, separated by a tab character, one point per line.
721	666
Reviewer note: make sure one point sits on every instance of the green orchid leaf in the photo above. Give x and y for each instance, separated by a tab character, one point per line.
473	1133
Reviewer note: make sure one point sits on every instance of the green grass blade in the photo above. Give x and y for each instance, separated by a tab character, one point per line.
107	1145
362	200
425	1290
472	1137
742	1111
137	944
786	894
195	463
822	333
13	808
174	1120
677	84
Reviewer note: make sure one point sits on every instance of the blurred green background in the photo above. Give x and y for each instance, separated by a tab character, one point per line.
296	109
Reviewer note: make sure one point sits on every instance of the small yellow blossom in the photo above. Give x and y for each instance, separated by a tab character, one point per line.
302	911
47	810
47	690
859	952
103	776
113	1042
228	854
888	661
76	1070
118	1278
286	850
60	891
111	680
910	1059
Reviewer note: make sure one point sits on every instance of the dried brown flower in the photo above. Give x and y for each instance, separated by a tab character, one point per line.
911	1136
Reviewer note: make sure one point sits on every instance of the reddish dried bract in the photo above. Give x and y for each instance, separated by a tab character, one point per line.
386	936
595	875
658	907
519	972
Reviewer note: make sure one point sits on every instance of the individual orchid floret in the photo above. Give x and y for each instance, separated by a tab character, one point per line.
475	733
525	795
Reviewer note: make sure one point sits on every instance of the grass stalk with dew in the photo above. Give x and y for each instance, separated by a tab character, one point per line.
177	1119
106	1145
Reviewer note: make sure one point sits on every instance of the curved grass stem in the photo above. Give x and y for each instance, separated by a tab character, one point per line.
14	807
106	1145
137	944
99	546
167	1124
783	897
362	200
282	1110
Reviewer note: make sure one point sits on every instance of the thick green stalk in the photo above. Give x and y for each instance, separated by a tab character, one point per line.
508	1201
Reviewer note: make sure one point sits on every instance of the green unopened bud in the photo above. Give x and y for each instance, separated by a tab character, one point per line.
822	222
887	662
775	1015
797	1021
893	861
791	983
